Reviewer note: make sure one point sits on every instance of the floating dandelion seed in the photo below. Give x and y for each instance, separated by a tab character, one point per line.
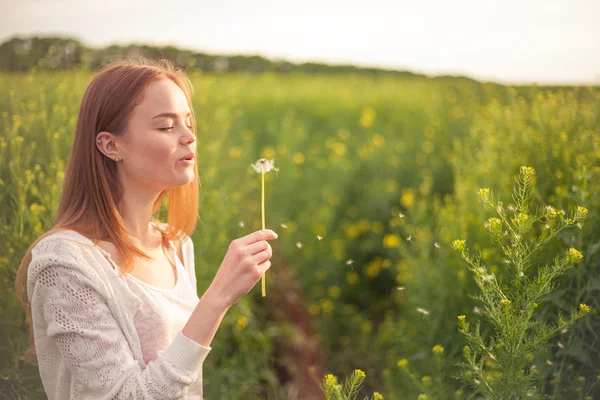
409	238
299	245
400	289
422	311
476	310
563	331
320	238
436	246
241	224
477	382
350	262
562	346
549	362
284	226
547	226
401	215
579	225
262	166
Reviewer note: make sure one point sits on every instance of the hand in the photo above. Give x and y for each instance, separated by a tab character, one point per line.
246	261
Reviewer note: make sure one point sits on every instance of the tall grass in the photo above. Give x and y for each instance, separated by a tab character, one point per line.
385	172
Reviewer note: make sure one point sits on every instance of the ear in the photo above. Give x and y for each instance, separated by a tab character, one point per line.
106	142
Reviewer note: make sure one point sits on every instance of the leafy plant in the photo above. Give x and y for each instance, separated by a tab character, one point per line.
349	390
499	367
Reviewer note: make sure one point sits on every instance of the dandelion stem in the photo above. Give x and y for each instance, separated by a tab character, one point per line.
264	290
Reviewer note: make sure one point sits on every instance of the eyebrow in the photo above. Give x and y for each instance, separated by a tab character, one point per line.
170	115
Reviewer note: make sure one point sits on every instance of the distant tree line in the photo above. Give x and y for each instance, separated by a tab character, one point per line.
55	53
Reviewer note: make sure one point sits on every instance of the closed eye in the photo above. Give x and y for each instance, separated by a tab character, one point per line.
171	127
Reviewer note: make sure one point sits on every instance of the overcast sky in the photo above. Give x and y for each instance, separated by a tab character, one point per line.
511	41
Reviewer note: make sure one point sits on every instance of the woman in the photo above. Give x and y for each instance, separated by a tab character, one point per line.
141	333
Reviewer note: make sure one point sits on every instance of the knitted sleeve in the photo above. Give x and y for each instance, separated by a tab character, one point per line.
81	328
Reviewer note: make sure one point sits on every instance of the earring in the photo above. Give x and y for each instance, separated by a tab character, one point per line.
117	158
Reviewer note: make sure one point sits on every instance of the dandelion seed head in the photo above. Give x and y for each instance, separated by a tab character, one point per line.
409	238
401	215
422	311
349	261
299	245
319	237
262	166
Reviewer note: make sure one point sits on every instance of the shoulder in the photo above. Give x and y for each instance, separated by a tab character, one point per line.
66	250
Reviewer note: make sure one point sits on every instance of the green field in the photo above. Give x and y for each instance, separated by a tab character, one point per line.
378	176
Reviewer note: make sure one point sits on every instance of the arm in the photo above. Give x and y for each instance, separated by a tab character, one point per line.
91	343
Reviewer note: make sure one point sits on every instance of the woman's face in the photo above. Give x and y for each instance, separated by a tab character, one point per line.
158	137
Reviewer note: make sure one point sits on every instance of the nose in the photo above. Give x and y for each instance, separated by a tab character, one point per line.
188	137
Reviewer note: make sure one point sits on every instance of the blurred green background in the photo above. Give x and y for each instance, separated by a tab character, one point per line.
378	174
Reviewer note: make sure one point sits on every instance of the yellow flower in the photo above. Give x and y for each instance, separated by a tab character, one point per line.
391	240
426	380
438	349
458	245
298	158
403	363
581	212
330	380
334	291
484	194
551	212
461	318
422	397
407	198
377	396
241	322
505	302
352	278
585	308
367	117
574	255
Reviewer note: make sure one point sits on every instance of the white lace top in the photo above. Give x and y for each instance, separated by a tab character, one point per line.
91	327
163	312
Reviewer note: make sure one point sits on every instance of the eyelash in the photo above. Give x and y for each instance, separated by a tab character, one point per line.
171	127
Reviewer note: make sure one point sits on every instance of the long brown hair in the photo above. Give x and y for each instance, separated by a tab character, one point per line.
91	190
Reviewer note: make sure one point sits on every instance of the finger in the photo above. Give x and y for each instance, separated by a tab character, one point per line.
263	267
263	234
261	257
258	247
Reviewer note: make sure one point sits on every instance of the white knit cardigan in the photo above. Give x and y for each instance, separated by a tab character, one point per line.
86	342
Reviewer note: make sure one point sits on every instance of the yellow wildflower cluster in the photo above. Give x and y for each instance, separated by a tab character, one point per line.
438	349
574	255
403	363
458	245
585	308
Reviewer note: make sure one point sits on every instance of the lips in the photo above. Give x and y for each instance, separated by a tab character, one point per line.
188	157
